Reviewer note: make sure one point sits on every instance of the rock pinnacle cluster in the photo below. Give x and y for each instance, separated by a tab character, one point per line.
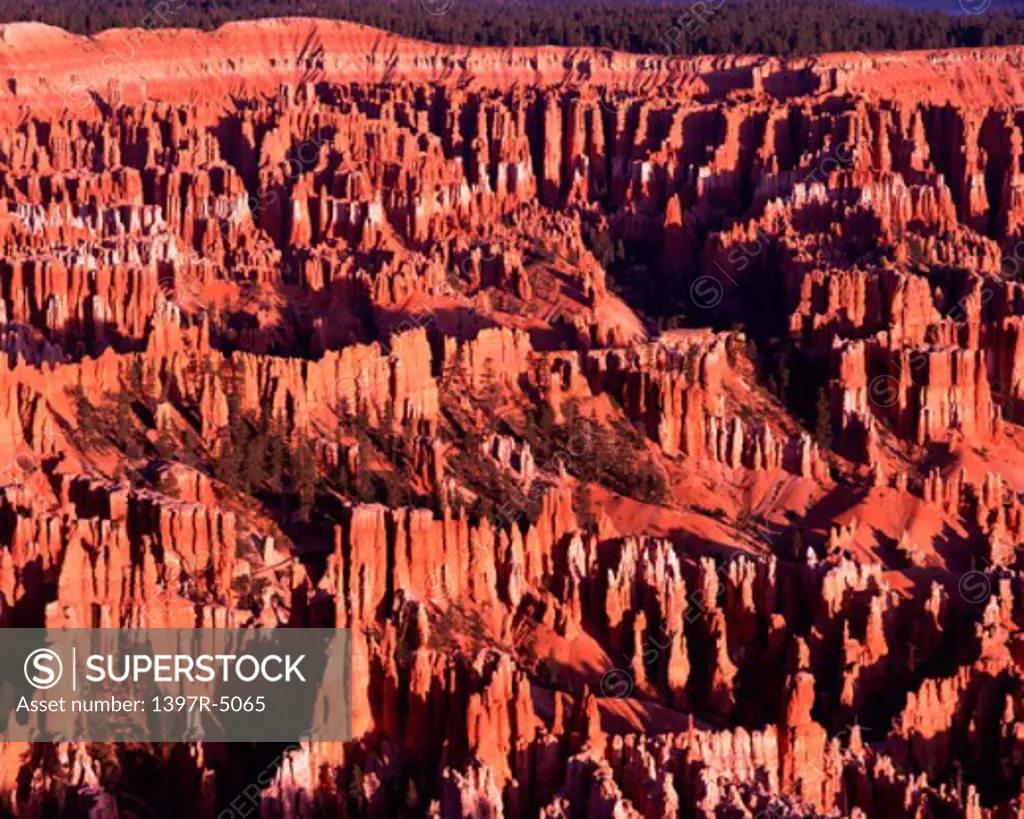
654	423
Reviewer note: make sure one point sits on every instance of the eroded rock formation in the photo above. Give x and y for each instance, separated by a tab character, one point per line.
652	423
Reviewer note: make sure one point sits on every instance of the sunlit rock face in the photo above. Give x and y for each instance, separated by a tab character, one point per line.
653	423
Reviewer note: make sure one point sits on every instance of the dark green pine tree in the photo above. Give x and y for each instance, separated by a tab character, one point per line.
305	478
823	421
277	449
254	459
124	425
233	441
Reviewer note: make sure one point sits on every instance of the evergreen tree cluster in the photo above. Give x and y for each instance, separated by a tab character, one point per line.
255	456
612	455
774	27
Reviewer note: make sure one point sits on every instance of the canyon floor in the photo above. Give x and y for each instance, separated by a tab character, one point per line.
654	424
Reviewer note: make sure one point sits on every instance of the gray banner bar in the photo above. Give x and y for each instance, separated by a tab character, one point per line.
172	685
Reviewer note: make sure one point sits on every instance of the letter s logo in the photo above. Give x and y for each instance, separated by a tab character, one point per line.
706	292
39	668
